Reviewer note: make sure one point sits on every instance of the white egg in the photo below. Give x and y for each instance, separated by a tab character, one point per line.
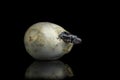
42	41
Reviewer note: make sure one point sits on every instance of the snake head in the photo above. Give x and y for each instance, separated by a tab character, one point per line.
69	38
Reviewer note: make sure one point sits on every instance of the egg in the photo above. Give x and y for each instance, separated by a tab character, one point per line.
42	41
48	41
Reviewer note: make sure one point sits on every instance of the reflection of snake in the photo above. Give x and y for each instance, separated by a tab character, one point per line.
69	38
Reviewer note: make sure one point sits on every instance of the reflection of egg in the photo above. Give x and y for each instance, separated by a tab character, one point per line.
53	70
42	42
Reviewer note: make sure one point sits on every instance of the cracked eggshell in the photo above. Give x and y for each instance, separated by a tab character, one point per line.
41	41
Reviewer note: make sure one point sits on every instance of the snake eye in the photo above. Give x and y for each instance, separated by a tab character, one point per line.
64	35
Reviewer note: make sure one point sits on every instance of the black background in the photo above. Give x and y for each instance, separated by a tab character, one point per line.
18	20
